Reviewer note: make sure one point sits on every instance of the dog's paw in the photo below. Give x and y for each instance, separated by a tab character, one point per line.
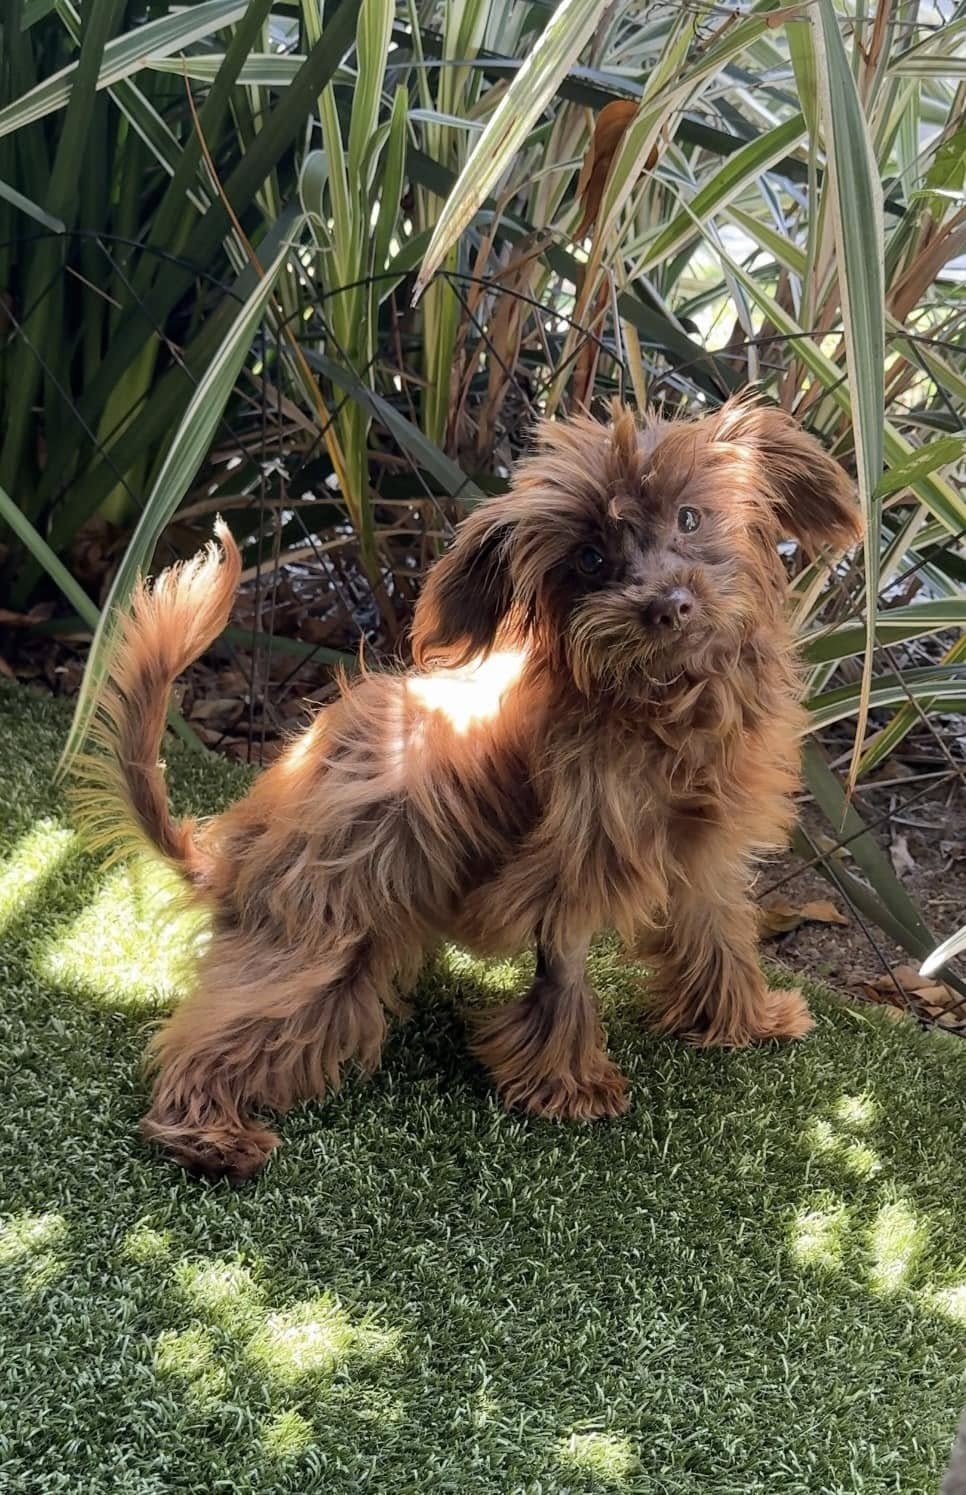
236	1154
788	1016
780	1017
765	1017
569	1097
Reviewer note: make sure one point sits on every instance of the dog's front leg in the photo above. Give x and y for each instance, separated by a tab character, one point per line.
546	1051
707	984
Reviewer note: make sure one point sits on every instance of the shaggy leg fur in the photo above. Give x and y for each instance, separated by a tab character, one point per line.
546	1052
708	985
260	1033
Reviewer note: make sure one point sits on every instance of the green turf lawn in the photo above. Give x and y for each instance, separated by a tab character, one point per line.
756	1281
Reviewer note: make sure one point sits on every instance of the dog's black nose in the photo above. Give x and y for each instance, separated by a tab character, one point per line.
671	610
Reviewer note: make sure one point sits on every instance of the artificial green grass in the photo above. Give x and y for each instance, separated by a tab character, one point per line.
756	1281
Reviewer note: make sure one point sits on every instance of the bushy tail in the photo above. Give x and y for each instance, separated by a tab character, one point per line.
120	791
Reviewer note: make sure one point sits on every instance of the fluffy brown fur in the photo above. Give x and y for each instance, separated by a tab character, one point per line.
601	731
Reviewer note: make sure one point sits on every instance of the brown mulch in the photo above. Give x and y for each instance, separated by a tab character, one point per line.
930	858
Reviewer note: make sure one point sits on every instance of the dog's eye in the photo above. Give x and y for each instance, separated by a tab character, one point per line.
688	519
590	562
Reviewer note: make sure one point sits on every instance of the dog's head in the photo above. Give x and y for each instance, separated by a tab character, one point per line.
633	552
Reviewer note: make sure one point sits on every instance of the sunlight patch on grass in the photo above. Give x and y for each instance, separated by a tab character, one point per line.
23	1236
857	1111
499	978
144	1244
188	1355
949	1301
896	1239
483	1409
313	1338
130	943
286	1435
857	1157
817	1235
33	859
224	1290
605	1455
861	1160
30	1245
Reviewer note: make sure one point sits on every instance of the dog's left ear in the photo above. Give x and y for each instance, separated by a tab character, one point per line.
813	499
468	592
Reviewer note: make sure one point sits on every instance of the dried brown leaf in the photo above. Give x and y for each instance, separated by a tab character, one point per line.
216	709
909	978
937	996
780	917
823	911
609	129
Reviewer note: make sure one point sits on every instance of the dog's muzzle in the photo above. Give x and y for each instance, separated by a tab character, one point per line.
670	612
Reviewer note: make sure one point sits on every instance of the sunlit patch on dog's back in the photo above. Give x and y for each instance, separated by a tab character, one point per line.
472	694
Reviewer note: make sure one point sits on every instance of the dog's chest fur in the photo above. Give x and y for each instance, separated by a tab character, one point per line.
623	805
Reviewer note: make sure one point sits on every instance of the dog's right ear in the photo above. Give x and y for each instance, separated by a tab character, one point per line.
467	594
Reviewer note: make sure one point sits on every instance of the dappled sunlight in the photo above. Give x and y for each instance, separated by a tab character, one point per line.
36	856
835	1139
948	1301
32	1247
225	1292
129	944
483	1409
896	1240
285	1435
608	1456
882	1234
856	1111
46	1268
855	1156
143	1244
237	1351
23	1236
314	1338
500	978
304	751
190	1357
817	1237
470	695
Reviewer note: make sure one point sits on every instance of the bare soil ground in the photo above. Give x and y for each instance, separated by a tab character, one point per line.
926	841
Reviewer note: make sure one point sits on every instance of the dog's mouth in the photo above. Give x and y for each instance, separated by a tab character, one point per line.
631	642
630	658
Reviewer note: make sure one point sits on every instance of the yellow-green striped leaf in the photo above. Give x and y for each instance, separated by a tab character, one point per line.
748	163
943	684
922	460
856	214
893	626
554	52
123	56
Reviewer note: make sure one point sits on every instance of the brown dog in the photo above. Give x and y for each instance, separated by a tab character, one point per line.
601	732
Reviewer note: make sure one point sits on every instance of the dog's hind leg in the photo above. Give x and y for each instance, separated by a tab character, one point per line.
707	984
264	1029
546	1052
